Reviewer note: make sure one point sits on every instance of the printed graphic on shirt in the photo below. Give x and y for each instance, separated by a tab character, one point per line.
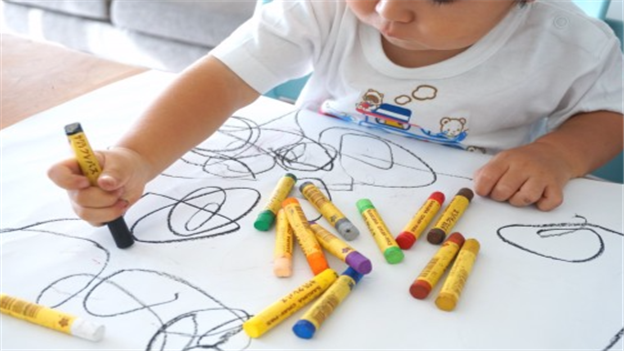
373	110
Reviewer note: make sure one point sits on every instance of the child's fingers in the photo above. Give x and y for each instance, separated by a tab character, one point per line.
67	175
508	185
98	216
530	192
552	198
486	178
94	197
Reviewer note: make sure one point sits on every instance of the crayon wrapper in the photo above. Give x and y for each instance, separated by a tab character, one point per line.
331	243
283	236
462	267
281	191
378	229
452	213
330	212
87	161
36	314
422	218
434	270
289	304
303	233
328	302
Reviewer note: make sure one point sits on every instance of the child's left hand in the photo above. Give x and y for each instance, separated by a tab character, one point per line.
526	175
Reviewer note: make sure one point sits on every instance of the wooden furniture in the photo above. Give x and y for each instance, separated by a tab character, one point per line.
37	76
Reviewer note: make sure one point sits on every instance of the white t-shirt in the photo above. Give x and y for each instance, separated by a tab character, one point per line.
542	64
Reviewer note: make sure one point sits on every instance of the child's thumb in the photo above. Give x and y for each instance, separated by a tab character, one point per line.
112	179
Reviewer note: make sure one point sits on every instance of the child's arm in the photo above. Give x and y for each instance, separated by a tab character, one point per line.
537	173
198	102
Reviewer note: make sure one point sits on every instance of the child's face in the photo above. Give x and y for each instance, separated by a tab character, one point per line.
431	24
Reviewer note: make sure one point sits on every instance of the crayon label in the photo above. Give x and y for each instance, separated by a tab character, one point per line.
378	229
37	314
283	236
281	191
438	264
302	230
322	204
86	158
459	274
324	307
289	304
331	243
422	219
452	213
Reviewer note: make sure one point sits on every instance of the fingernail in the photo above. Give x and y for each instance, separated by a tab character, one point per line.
124	204
107	181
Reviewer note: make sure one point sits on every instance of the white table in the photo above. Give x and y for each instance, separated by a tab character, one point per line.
199	269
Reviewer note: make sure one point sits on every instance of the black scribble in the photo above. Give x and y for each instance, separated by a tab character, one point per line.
202	213
184	316
513	234
594	244
345	157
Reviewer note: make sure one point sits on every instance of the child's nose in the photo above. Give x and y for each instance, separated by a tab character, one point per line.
395	10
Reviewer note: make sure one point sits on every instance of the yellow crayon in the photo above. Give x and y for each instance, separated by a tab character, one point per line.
289	304
454	284
50	318
329	211
341	250
326	304
91	169
265	219
282	266
434	270
386	243
450	216
420	221
305	237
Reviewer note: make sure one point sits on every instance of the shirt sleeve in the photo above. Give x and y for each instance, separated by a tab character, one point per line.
599	88
277	44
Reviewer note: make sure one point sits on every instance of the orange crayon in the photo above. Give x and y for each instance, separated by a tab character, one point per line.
305	236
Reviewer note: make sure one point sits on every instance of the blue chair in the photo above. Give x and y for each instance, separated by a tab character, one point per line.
594	8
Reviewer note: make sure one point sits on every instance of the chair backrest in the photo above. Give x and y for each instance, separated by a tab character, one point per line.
594	8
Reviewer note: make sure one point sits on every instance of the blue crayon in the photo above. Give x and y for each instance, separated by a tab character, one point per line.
326	304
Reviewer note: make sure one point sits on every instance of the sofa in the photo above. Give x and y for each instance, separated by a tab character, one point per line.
164	34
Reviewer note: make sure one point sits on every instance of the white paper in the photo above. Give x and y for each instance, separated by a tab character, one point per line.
199	269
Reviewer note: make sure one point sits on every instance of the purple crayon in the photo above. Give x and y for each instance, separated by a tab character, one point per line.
341	250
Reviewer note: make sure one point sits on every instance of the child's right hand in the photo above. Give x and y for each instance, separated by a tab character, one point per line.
120	185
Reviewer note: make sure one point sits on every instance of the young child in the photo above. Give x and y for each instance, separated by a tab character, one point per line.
482	75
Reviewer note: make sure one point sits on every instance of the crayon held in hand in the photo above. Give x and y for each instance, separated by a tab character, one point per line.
51	318
265	219
450	216
91	169
420	221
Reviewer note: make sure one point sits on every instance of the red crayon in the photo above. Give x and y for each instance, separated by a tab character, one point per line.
420	221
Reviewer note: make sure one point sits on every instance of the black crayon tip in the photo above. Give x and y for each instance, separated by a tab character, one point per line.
121	233
73	128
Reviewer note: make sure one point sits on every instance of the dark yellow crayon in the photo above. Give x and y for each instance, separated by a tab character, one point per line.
91	169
